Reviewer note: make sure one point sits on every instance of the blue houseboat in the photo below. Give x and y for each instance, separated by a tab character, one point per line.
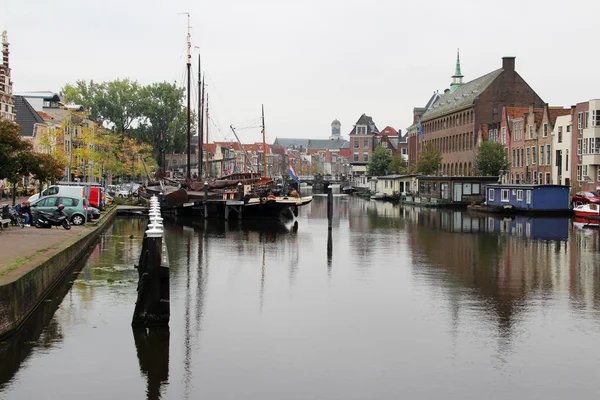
527	198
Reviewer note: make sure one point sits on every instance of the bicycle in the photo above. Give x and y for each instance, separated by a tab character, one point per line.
15	217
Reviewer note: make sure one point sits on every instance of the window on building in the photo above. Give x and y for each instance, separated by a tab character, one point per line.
384	145
586	121
542	154
475	188
578	147
585	172
548	178
505	195
545	130
356	143
490	194
504	135
513	157
530	131
404	151
567	161
366	143
595	117
528	155
355	156
579	169
361	130
534	155
540	179
598	177
522	156
548	155
366	157
519	195
528	195
568	128
580	122
585	146
560	134
467	189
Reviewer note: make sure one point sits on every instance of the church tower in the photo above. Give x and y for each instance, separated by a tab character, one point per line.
457	78
336	130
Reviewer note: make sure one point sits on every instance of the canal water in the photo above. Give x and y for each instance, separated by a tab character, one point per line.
398	302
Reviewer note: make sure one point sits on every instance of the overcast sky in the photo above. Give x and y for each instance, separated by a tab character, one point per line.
307	61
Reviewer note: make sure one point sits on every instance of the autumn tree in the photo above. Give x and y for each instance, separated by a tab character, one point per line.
429	159
491	159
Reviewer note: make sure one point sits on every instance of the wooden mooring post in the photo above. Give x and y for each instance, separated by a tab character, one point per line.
329	206
152	307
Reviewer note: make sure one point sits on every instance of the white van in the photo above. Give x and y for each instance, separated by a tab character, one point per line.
72	191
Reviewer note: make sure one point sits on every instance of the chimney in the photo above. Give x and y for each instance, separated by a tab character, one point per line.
508	63
572	111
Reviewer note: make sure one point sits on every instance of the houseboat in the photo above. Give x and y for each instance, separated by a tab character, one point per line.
526	198
392	187
450	191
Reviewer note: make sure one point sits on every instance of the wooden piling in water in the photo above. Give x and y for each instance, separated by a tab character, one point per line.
329	207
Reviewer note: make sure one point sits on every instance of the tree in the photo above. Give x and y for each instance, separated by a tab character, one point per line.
164	120
429	159
115	104
397	165
379	161
16	155
491	159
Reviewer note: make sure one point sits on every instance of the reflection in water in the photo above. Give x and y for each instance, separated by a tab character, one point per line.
152	345
440	303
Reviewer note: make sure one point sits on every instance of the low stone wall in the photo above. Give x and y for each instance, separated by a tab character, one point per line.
18	299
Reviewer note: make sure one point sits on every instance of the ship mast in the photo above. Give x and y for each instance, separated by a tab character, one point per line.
200	118
264	142
189	66
206	118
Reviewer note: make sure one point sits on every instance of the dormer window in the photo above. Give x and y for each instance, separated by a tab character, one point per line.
361	130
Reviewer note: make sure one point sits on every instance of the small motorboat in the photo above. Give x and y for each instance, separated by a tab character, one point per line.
378	196
590	213
349	189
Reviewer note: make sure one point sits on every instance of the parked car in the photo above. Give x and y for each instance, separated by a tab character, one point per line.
585	198
75	208
92	212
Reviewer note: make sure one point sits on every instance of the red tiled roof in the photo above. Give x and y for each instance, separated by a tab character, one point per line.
556	112
389	131
230	145
516	112
44	115
210	147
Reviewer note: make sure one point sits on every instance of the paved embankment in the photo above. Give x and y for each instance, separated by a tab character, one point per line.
33	260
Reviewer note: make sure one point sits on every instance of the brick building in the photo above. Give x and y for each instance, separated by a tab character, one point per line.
467	113
412	132
362	144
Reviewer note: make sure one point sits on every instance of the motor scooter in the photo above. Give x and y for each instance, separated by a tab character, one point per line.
58	218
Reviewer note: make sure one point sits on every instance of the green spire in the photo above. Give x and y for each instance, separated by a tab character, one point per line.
457	70
458	76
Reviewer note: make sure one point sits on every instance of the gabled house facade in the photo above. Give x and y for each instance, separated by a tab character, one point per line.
561	146
362	144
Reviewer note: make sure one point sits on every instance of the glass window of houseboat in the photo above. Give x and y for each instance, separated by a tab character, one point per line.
528	197
467	188
491	194
504	195
519	195
475	188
